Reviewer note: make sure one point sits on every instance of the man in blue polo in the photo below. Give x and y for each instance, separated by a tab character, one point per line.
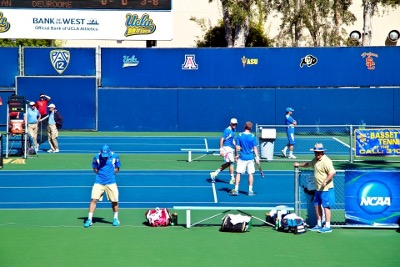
290	123
247	152
106	165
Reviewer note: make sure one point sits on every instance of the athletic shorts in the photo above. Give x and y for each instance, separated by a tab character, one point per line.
229	155
324	198
111	191
243	165
290	136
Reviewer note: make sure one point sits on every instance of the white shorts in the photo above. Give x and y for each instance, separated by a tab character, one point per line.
243	165
229	155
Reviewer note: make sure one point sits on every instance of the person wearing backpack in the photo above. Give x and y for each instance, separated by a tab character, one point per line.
324	197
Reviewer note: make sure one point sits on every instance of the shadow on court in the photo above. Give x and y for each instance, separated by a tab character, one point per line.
95	220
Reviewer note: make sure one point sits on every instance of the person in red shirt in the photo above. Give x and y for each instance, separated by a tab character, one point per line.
41	105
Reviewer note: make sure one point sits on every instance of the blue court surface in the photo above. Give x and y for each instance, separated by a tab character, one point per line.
141	189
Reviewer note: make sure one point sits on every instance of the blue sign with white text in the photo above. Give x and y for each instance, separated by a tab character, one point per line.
372	197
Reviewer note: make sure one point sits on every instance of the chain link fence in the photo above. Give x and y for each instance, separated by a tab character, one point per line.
338	140
304	205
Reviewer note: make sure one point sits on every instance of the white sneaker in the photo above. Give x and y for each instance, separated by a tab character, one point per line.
292	157
283	153
213	175
50	151
232	181
56	151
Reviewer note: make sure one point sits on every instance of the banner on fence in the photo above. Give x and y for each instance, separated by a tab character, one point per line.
377	142
372	197
85	24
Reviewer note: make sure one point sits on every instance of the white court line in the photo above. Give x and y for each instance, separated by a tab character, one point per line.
343	143
214	193
103	203
120	186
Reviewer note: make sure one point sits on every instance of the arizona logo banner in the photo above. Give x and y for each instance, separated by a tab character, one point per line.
377	142
372	197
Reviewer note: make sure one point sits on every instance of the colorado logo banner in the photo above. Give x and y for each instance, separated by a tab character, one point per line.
372	197
377	142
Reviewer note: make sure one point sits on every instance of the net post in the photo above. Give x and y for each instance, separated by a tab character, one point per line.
296	189
1	151
351	144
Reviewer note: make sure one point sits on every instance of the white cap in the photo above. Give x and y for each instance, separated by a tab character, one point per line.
31	103
234	121
51	106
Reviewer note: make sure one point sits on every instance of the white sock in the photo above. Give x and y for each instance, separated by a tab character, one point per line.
250	188
236	187
328	224
232	176
319	223
90	216
284	149
218	170
116	215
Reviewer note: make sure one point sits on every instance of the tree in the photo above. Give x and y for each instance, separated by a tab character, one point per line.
369	10
237	17
323	19
29	42
215	36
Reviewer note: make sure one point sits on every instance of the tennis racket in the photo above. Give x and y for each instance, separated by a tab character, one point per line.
261	170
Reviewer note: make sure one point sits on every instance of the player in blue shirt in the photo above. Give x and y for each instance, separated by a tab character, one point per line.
106	165
247	152
291	123
227	150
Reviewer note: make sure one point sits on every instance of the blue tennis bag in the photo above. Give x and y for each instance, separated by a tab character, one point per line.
293	223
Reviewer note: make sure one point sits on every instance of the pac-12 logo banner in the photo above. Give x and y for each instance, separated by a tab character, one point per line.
60	59
377	142
372	197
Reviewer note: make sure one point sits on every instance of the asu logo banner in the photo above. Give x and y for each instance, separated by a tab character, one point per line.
372	197
377	142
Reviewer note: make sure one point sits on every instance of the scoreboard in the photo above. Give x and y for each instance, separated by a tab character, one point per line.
89	4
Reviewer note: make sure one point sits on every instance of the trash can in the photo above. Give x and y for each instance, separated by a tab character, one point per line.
267	139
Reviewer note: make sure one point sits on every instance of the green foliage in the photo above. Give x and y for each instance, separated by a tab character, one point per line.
215	37
26	43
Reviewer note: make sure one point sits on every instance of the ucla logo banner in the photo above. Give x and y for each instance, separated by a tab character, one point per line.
372	197
60	59
377	142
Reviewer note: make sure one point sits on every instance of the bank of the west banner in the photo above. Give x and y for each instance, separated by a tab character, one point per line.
85	25
372	197
377	142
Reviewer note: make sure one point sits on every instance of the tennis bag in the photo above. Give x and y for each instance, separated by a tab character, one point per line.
158	217
235	223
293	223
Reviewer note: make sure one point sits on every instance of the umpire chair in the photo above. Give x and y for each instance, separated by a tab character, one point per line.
17	126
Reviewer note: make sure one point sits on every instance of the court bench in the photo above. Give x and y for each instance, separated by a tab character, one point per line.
205	151
225	210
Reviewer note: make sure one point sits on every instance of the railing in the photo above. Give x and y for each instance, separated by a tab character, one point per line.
338	140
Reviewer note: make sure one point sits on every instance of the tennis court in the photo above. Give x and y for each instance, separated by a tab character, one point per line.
44	202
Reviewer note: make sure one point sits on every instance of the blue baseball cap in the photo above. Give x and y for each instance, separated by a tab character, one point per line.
105	151
289	109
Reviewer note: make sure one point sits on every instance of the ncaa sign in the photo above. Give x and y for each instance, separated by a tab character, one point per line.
372	197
